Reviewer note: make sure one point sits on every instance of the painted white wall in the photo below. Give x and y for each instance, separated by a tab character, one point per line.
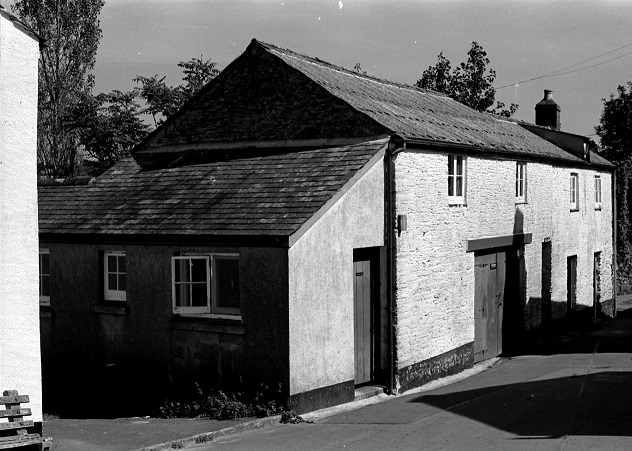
19	296
435	274
321	284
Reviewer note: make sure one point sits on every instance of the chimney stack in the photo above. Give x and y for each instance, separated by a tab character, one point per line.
547	112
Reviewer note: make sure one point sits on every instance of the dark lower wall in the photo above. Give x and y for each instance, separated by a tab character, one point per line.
141	347
451	362
321	398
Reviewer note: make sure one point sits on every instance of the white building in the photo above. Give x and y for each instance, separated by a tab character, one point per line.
20	367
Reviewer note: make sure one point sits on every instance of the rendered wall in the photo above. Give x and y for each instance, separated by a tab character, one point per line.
141	345
321	321
435	274
19	319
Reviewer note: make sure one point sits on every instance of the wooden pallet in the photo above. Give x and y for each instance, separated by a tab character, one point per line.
13	434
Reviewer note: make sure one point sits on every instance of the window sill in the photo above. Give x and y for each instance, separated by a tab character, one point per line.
457	203
521	202
45	311
213	325
112	308
597	208
574	209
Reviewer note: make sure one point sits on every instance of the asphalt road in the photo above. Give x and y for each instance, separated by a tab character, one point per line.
574	393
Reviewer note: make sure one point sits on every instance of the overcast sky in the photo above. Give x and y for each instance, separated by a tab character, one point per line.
391	39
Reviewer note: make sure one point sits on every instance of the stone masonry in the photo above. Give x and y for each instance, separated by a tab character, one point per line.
435	274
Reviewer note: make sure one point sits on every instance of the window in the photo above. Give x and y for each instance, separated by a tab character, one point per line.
44	277
521	182
597	192
206	284
115	283
456	179
574	191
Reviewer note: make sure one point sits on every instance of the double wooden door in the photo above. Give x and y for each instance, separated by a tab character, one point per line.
489	298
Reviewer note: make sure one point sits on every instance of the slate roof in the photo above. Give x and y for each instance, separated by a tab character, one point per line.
421	115
272	192
235	193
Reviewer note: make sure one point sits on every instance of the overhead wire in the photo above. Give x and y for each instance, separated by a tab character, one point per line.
565	71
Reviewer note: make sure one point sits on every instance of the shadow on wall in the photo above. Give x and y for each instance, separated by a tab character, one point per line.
529	320
542	408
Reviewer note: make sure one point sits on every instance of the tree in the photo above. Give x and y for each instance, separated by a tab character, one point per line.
162	100
470	83
111	127
615	127
615	133
72	32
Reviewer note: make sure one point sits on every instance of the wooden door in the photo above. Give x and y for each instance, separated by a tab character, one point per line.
571	282
596	284
489	279
363	321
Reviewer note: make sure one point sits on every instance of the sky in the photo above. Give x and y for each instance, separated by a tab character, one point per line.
391	39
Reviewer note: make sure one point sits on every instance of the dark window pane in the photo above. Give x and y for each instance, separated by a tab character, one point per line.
450	186
459	165
121	263
450	165
459	186
182	295
111	263
200	295
182	270
111	281
227	282
122	282
45	268
45	286
198	270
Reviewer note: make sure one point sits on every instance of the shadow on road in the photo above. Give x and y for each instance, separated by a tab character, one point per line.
593	404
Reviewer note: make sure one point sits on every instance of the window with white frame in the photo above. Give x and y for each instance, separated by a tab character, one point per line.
44	277
521	182
574	191
115	276
597	192
456	179
206	284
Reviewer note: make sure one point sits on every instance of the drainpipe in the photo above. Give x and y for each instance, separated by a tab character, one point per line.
613	189
390	251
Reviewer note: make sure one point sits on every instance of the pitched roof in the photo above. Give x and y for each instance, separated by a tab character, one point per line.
237	193
25	28
420	115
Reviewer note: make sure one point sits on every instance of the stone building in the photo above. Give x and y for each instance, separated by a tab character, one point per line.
19	317
292	227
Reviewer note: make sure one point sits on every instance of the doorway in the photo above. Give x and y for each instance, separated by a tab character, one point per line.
571	283
489	294
366	314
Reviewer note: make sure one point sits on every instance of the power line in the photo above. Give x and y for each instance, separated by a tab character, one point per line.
561	71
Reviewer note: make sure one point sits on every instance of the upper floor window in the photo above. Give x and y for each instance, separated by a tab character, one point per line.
456	179
574	191
521	182
115	277
44	277
206	284
597	192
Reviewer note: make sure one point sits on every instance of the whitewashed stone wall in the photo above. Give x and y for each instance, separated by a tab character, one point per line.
435	274
19	295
